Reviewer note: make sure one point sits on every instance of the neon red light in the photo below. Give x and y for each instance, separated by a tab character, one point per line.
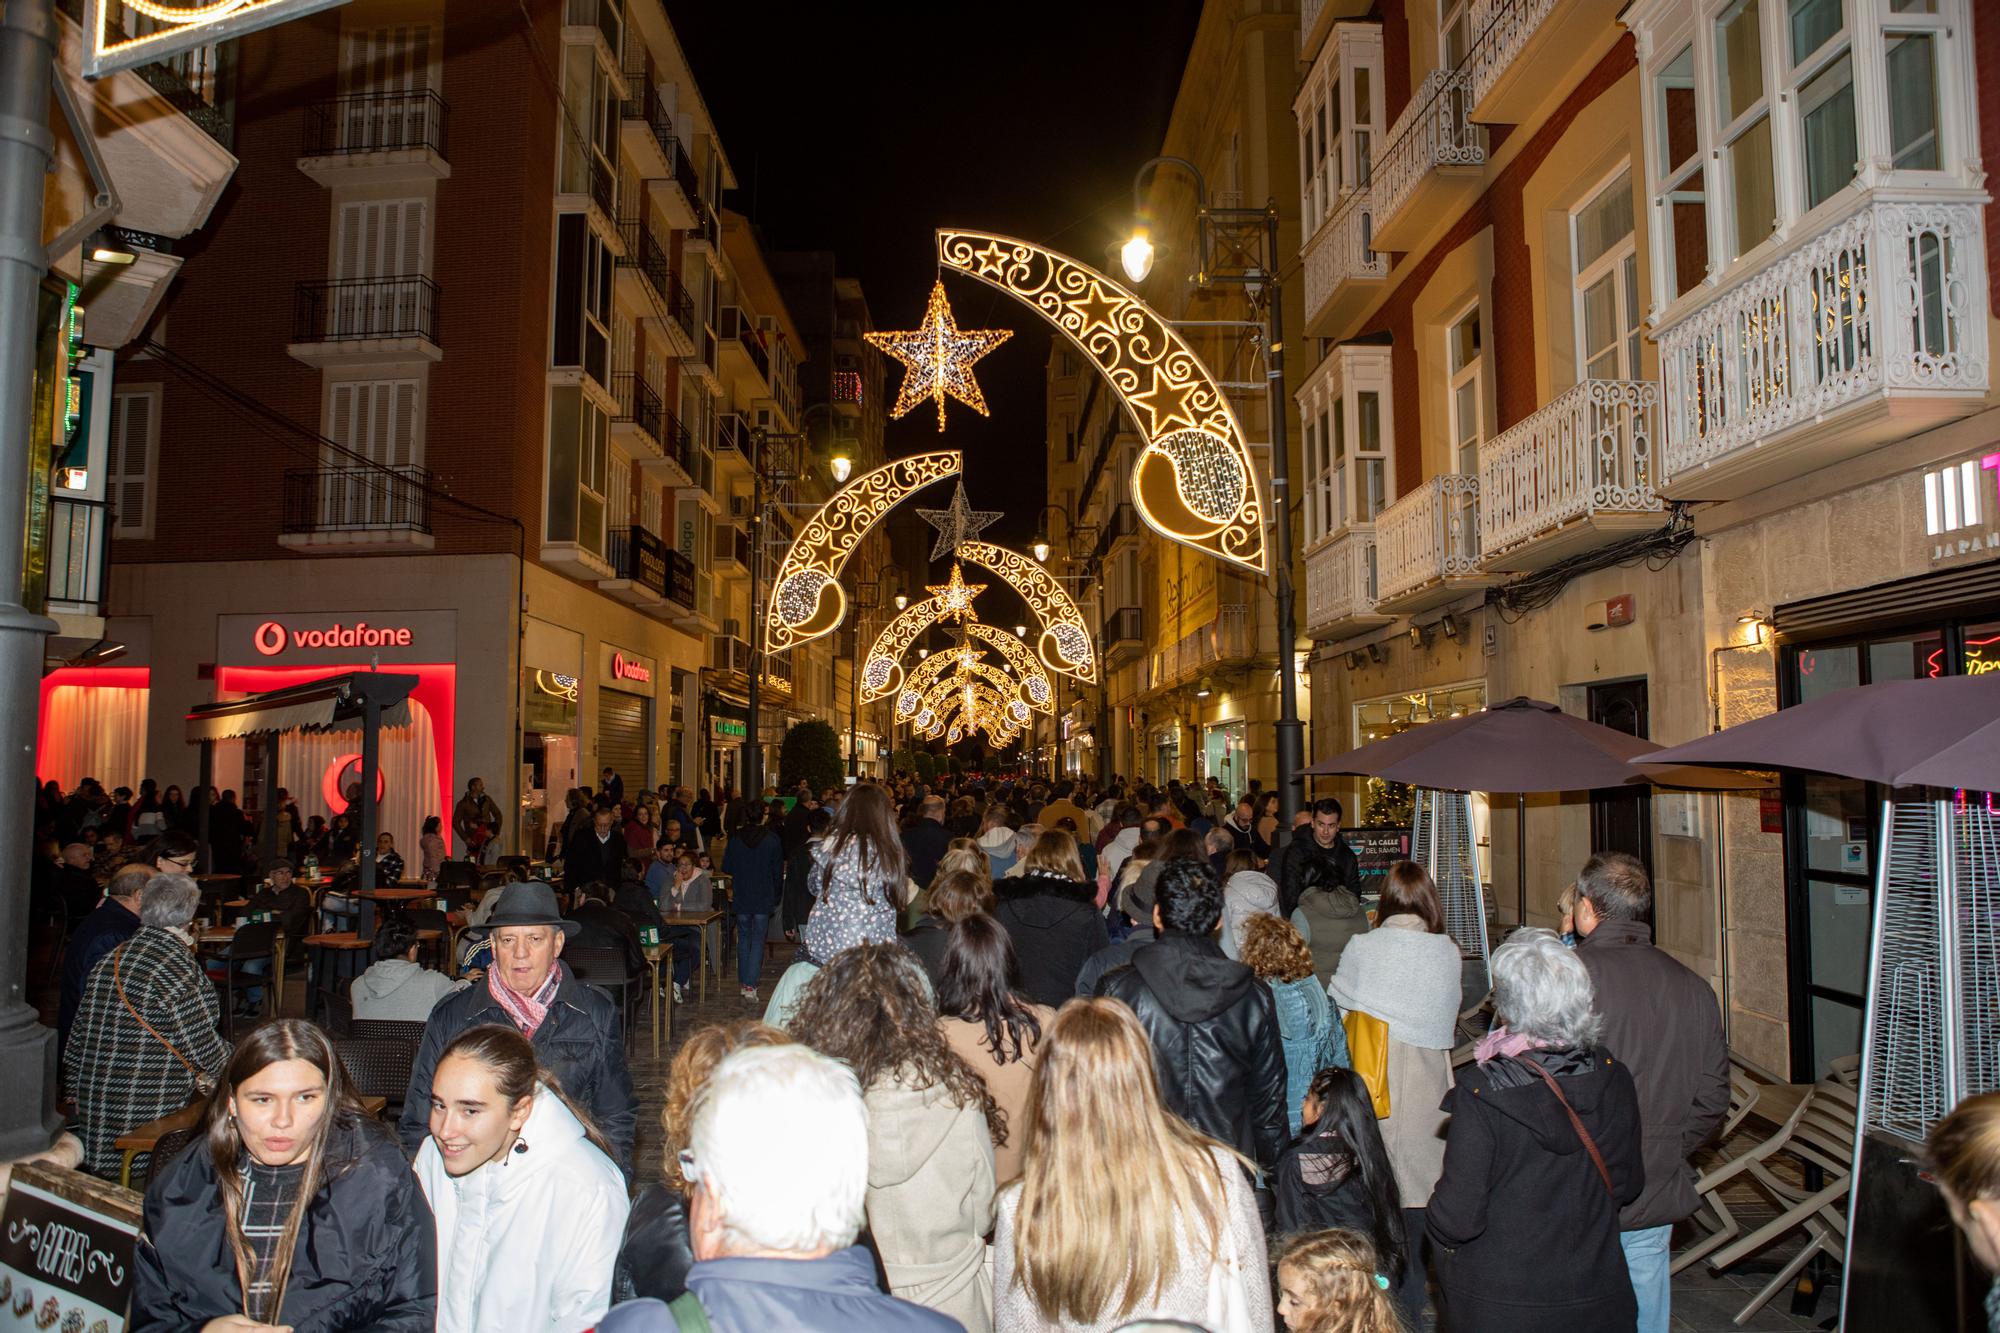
118	678
624	668
329	781
270	638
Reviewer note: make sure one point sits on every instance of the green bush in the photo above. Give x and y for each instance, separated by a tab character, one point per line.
811	752
927	768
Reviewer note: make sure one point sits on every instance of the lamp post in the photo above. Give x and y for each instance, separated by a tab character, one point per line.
1252	234
867	596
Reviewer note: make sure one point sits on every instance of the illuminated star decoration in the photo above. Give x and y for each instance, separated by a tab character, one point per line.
957	524
938	357
955	596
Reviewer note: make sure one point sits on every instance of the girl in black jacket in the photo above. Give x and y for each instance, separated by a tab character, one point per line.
1338	1175
1051	913
294	1209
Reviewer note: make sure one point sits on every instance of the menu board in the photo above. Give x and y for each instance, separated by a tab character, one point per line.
1377	849
66	1253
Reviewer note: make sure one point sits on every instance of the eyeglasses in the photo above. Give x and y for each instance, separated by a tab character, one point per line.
689	1171
178	862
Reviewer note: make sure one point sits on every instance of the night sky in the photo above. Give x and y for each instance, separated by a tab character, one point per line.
860	129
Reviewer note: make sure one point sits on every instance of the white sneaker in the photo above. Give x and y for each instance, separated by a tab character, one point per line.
680	996
750	994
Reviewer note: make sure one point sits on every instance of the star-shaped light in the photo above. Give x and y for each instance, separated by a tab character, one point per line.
957	524
955	595
938	357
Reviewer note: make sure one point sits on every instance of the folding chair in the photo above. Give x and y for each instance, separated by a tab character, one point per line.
1820	1134
1743	1094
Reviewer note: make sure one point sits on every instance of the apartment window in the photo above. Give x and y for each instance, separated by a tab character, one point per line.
1683	197
618	489
1371	462
1466	359
1319	483
134	459
591	114
584	274
649	508
1364	121
392	59
1822	68
382	238
1607	283
1913	35
1743	111
1454	32
579	446
376	424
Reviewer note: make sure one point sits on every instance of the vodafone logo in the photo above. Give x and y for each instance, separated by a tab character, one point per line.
624	668
272	638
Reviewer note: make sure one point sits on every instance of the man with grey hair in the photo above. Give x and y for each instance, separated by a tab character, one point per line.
1662	1022
110	925
774	1214
1024	842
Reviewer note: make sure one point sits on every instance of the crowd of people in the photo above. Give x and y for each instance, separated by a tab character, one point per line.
1043	1059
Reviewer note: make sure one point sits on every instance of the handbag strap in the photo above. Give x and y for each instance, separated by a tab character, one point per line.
1576	1123
118	984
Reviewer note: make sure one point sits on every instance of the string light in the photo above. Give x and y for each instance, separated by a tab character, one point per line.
957	523
937	359
1193	482
882	672
1034	682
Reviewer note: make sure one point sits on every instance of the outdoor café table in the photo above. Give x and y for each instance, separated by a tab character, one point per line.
663	995
700	922
147	1137
398	898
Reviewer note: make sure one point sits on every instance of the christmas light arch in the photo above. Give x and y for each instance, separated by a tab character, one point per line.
1035	686
1064	643
882	670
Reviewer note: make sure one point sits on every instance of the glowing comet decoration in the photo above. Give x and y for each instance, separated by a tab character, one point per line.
1035	687
1064	643
882	670
937	359
806	599
1194	481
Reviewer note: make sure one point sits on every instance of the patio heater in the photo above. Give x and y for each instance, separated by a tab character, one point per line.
1442	842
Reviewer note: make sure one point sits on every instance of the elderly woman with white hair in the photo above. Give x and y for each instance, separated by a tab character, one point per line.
143	1043
1542	1152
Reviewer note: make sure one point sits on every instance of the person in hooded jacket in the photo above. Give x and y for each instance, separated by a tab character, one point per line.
996	839
1246	892
396	986
1213	1025
530	1207
798	898
1051	913
292	1210
755	864
1542	1152
931	1127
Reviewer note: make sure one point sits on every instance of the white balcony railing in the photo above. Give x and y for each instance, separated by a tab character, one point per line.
1227	639
1503	28
1340	251
1340	579
1589	452
1433	131
1889	299
1428	535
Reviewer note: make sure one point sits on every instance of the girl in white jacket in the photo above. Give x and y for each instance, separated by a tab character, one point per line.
530	1208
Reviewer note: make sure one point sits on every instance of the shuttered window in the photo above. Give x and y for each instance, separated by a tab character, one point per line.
381	421
382	238
135	448
396	59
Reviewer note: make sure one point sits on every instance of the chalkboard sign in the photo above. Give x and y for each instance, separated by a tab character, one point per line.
66	1253
1377	849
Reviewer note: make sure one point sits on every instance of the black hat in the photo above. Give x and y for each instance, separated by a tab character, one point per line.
524	904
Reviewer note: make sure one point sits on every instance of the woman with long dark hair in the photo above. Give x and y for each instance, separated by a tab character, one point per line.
530	1205
293	1210
1338	1174
857	877
990	1024
931	1127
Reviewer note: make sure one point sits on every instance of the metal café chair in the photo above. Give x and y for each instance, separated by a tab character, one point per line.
379	1067
605	969
253	940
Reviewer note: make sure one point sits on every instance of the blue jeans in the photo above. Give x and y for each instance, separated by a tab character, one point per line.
686	944
1648	1253
750	932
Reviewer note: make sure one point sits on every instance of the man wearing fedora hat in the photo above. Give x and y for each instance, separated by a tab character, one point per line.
575	1028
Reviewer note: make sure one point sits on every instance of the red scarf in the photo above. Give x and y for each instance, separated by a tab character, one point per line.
527	1011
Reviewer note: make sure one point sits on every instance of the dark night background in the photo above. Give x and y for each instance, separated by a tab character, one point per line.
861	129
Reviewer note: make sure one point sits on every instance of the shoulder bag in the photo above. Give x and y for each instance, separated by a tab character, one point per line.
1576	1123
204	1082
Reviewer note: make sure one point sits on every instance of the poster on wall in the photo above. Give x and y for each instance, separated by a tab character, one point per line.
66	1253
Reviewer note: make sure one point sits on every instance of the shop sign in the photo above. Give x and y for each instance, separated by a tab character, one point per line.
625	670
1962	508
728	728
337	638
63	1263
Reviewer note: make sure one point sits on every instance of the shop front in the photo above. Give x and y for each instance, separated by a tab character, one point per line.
1166	754
626	686
728	729
93	718
1225	755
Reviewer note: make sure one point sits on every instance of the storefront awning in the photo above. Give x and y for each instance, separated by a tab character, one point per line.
334	703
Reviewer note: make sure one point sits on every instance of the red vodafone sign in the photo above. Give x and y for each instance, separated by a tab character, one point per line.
337	638
620	668
625	668
271	638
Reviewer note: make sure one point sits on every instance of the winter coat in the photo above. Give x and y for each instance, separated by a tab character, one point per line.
366	1256
1001	850
605	927
1409	978
580	1042
755	864
654	1257
1662	1023
399	990
1216	1044
925	843
1112	856
1055	926
1311	866
927	940
97	935
797	900
1327	919
1526	1234
1309	1025
528	1241
770	1295
854	902
1117	955
1319	1185
930	1198
470	813
588	861
121	1074
1247	893
1009	1083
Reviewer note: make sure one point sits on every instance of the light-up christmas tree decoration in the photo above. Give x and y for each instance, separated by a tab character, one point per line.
937	359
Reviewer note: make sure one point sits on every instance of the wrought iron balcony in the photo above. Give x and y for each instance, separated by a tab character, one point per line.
1124	628
646	255
199	83
1340	584
1123	523
1434	135
638	564
354	309
1427	545
603	189
413	119
356	499
638	406
1527	55
1864	329
732	433
1340	256
79	553
1572	475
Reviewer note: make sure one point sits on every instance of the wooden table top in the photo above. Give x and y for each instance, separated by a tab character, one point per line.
347	939
692	918
398	895
146	1137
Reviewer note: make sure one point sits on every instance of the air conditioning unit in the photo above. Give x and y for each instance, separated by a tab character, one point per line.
739	507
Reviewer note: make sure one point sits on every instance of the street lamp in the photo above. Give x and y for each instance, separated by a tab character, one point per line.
1247	241
840	465
902	601
1041	550
867	597
1020	631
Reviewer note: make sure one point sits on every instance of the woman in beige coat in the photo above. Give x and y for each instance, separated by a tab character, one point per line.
1406	972
991	1026
931	1127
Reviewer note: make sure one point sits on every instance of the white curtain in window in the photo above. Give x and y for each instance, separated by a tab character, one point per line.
408	763
96	731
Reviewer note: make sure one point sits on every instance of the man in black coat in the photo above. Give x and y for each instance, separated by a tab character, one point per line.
114	922
1213	1024
595	855
1322	860
578	1035
1662	1022
926	841
602	926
